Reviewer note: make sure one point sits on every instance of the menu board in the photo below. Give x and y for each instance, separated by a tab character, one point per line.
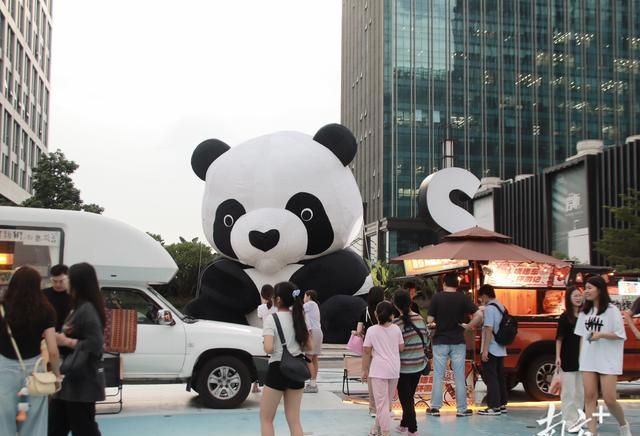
628	288
414	267
524	275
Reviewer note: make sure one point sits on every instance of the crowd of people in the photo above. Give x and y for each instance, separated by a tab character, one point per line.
64	321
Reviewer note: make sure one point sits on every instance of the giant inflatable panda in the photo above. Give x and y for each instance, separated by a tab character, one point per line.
282	207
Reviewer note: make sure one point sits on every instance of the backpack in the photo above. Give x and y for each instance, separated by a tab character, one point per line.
508	328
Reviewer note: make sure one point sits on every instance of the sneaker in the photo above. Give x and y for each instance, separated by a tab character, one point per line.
489	412
308	389
372	413
401	429
433	412
467	412
503	409
625	430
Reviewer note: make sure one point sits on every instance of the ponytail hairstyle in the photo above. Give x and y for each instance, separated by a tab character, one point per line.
384	312
376	295
313	295
289	296
402	301
267	293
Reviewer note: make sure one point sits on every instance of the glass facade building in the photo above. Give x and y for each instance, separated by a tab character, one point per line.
515	83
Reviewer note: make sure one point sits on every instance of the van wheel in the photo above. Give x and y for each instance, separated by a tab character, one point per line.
223	382
538	377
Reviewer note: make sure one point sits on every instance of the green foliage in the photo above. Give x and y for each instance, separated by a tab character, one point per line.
157	237
53	186
621	246
191	257
383	273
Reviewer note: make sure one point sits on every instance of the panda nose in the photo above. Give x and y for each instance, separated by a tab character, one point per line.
264	241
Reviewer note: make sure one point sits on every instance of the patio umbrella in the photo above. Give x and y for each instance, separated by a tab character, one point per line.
479	244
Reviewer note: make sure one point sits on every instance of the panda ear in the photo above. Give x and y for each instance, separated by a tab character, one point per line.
339	140
204	155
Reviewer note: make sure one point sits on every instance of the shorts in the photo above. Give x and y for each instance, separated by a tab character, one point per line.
276	380
316	342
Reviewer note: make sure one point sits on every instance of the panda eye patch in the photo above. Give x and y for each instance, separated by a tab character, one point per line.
227	213
310	210
306	214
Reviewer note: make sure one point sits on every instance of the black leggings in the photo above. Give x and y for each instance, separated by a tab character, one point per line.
407	384
71	416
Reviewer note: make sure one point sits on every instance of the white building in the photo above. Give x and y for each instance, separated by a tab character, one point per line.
25	68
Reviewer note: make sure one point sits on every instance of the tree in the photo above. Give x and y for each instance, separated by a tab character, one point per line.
157	237
53	186
621	245
191	257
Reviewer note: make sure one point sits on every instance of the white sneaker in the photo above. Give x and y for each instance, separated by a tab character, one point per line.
625	430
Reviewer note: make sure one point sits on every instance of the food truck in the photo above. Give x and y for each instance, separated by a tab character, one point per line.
533	292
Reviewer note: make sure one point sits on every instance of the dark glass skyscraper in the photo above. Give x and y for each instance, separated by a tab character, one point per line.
515	83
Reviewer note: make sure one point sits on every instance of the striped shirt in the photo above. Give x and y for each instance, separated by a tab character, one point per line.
412	359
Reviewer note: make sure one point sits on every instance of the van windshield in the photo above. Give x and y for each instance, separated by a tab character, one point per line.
159	296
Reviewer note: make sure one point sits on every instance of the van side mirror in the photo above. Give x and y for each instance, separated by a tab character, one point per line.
165	317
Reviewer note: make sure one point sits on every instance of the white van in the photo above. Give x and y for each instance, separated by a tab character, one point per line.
218	360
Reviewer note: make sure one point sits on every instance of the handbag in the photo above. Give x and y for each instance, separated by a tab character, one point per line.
40	382
292	367
425	347
74	362
555	388
355	344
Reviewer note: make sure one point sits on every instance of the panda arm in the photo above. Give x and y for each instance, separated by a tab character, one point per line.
226	293
339	273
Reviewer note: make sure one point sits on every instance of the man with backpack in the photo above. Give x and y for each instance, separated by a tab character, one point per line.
495	337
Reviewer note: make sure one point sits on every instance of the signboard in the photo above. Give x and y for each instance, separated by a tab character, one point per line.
570	214
507	274
628	288
414	267
31	237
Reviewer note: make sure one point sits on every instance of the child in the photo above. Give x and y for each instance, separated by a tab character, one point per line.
312	316
264	310
381	362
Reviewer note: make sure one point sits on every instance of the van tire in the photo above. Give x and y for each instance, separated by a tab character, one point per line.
223	382
538	377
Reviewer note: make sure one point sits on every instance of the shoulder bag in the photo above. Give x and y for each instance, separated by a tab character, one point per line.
292	367
425	347
41	382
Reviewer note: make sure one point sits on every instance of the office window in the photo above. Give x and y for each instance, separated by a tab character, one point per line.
32	153
14	172
24	146
6	128
5	164
16	137
23	179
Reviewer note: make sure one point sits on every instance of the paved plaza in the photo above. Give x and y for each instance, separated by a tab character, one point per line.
168	410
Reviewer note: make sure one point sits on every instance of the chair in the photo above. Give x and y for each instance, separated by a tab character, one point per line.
352	371
112	380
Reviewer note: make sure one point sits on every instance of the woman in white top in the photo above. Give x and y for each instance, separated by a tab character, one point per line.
312	316
267	307
264	310
288	300
601	351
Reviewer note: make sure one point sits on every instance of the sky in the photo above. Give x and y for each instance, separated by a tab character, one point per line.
136	85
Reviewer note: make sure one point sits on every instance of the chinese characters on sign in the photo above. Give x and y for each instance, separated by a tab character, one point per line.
524	275
31	237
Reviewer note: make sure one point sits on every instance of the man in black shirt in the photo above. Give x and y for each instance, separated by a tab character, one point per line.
448	309
57	294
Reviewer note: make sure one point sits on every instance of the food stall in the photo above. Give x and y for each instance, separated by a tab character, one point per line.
530	284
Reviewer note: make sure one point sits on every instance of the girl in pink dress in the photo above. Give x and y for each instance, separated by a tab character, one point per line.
381	363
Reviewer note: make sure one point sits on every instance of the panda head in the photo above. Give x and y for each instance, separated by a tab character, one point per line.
280	198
